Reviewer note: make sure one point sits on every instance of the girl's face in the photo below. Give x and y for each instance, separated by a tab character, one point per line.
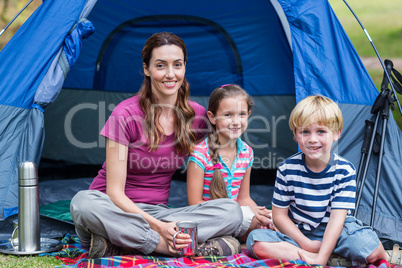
230	119
166	70
315	142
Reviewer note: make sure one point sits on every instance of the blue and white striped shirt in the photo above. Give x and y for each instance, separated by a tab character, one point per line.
310	196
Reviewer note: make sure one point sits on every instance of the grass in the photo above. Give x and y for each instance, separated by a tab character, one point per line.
382	20
12	261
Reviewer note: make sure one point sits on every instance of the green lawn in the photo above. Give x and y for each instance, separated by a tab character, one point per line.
381	19
11	261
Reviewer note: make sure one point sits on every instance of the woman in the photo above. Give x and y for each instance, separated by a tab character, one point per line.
147	138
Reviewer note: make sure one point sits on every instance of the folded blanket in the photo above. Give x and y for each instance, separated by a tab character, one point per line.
59	210
73	255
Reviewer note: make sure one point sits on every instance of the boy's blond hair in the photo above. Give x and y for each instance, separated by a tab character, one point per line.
318	109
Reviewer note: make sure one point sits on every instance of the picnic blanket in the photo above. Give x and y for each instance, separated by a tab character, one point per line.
74	255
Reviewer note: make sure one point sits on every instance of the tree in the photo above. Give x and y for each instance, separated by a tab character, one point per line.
9	9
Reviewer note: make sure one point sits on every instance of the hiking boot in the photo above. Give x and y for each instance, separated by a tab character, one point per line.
101	247
220	246
395	255
338	261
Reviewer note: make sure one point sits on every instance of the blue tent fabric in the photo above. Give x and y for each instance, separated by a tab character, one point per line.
73	42
28	55
110	59
324	58
24	142
27	64
326	63
233	42
50	86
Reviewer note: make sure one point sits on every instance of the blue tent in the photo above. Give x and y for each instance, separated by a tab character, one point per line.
279	51
34	64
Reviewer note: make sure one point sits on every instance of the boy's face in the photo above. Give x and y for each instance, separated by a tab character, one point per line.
315	142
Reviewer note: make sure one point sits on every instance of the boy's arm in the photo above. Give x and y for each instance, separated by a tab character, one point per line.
286	226
331	235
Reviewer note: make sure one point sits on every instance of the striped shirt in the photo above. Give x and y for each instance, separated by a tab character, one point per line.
310	196
232	176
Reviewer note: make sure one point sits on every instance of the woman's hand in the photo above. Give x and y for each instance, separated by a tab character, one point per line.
167	231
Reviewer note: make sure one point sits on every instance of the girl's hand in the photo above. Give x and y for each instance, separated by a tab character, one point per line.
263	217
167	231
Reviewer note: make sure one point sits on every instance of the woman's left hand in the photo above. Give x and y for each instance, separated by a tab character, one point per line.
181	240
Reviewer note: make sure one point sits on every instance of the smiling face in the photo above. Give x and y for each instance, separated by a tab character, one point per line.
166	71
315	142
230	119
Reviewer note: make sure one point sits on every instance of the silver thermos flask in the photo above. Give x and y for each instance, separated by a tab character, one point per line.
28	208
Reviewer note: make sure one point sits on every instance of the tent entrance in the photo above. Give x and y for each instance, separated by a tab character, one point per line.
120	51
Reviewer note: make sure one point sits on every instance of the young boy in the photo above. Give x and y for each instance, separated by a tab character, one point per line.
314	193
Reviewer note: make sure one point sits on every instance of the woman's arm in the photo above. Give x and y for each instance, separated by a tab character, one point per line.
116	173
195	183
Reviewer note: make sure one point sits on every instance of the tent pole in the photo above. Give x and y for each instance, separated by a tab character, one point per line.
5	28
381	108
385	116
363	166
378	55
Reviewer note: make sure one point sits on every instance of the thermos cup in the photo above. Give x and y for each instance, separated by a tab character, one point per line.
187	227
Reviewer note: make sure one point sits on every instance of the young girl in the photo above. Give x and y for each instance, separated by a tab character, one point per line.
220	165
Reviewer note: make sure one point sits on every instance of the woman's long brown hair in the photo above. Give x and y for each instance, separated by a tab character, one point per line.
184	113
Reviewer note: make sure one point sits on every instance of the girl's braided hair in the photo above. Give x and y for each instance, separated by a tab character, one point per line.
217	187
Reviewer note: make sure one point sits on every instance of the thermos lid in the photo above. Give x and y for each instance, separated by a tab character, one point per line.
27	174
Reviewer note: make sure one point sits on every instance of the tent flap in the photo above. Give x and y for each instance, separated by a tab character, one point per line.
30	78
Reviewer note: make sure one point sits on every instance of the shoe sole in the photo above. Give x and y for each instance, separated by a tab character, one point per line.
91	254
